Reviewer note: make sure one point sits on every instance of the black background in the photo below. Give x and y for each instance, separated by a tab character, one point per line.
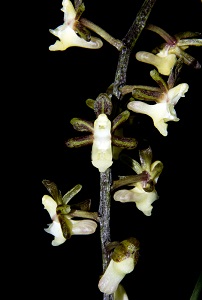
170	240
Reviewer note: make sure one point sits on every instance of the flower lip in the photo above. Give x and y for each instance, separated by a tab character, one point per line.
163	61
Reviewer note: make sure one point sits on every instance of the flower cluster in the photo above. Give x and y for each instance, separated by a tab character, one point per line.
107	139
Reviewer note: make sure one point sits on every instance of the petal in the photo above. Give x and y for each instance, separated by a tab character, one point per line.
83	227
146	159
50	205
55	229
82	125
156	169
177	92
79	141
70	194
131	163
124	142
66	226
53	190
121	118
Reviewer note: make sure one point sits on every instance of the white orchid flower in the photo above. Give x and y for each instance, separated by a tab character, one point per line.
165	56
144	193
163	111
63	226
76	227
123	261
67	34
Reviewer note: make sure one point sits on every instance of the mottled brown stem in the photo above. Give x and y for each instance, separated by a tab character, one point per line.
120	79
129	42
104	216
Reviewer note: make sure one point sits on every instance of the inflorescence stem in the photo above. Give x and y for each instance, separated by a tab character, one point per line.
104	214
129	42
120	79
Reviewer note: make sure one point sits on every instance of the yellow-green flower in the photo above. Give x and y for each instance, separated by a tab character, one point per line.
62	226
123	260
165	56
166	97
144	192
102	133
72	33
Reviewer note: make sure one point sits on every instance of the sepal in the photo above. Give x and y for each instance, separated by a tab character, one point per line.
80	141
82	125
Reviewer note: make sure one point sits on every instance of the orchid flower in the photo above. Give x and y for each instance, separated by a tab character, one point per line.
102	133
123	261
62	226
144	192
165	56
166	97
72	32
